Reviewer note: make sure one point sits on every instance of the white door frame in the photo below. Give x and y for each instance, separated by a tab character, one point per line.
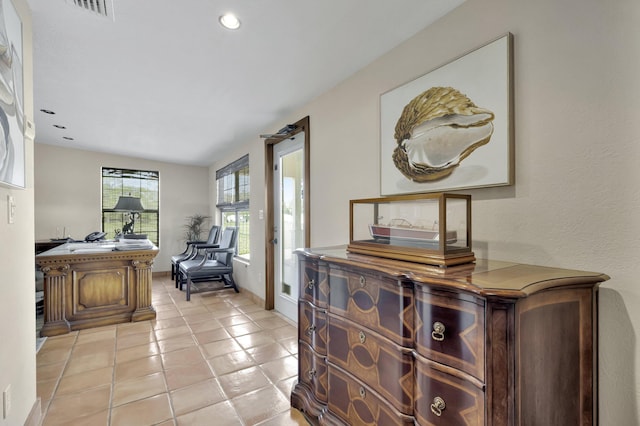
300	126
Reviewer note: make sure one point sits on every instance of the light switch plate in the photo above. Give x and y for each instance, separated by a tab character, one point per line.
11	209
6	402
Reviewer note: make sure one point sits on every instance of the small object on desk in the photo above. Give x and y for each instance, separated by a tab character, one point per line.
135	244
95	236
135	236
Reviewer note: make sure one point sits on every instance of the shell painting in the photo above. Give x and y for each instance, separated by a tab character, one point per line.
436	131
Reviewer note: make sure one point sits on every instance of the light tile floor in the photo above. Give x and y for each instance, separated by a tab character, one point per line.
217	360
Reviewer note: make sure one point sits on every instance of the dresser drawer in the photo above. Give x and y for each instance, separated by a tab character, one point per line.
312	326
356	404
380	303
451	330
313	283
445	399
312	371
381	364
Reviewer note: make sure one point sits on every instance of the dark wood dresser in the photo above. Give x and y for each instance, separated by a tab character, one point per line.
385	342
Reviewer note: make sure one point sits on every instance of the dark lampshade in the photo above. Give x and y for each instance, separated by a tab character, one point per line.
129	204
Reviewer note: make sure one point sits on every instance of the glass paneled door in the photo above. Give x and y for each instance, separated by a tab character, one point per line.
288	160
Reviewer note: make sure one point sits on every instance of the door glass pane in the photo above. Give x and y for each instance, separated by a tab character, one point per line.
291	217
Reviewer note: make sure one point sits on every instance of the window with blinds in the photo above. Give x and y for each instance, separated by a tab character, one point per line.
233	200
135	183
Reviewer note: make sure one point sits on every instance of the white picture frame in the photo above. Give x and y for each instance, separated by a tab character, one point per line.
484	76
12	120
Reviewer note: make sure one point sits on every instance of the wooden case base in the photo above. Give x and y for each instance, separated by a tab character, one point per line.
428	258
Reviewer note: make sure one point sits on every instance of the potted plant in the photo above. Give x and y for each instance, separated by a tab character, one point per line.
194	227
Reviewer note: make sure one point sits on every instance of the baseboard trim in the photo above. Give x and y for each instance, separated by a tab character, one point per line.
35	415
254	297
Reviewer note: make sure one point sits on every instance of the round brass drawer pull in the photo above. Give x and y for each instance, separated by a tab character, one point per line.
363	392
437	406
311	330
362	337
363	281
438	331
310	284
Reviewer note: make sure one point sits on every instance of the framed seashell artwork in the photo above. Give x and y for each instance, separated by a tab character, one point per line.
451	128
12	148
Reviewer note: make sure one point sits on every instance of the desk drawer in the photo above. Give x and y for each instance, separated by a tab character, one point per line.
445	399
450	330
312	371
312	326
381	364
356	404
381	303
314	286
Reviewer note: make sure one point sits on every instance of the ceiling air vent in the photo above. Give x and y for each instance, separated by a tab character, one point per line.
99	7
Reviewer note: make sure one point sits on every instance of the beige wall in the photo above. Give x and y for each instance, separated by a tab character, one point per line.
576	200
248	275
17	297
68	196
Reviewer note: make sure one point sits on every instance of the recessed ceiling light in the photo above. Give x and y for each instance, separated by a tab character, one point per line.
47	111
67	138
59	126
229	21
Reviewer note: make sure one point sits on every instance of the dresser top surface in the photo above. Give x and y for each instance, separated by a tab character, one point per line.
485	277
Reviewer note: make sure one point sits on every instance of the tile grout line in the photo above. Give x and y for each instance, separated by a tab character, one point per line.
59	379
235	307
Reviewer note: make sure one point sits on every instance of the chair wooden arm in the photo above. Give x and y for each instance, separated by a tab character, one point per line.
207	246
211	251
220	250
189	246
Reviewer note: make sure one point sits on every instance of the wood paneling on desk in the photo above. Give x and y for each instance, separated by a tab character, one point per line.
90	285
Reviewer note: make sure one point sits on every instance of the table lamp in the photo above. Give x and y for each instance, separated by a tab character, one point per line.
131	205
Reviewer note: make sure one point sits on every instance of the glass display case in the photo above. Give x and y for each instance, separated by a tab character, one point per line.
428	228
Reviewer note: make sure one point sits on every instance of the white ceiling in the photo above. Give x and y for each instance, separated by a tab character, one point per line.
164	81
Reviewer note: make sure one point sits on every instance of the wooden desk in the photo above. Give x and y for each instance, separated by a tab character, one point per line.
44	245
91	284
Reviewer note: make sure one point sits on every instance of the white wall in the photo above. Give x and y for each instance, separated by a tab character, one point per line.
17	296
248	275
576	200
68	191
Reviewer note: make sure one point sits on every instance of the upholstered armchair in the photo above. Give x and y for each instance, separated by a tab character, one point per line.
190	250
215	263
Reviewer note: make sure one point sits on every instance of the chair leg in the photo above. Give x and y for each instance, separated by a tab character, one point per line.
188	287
173	271
178	277
229	282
